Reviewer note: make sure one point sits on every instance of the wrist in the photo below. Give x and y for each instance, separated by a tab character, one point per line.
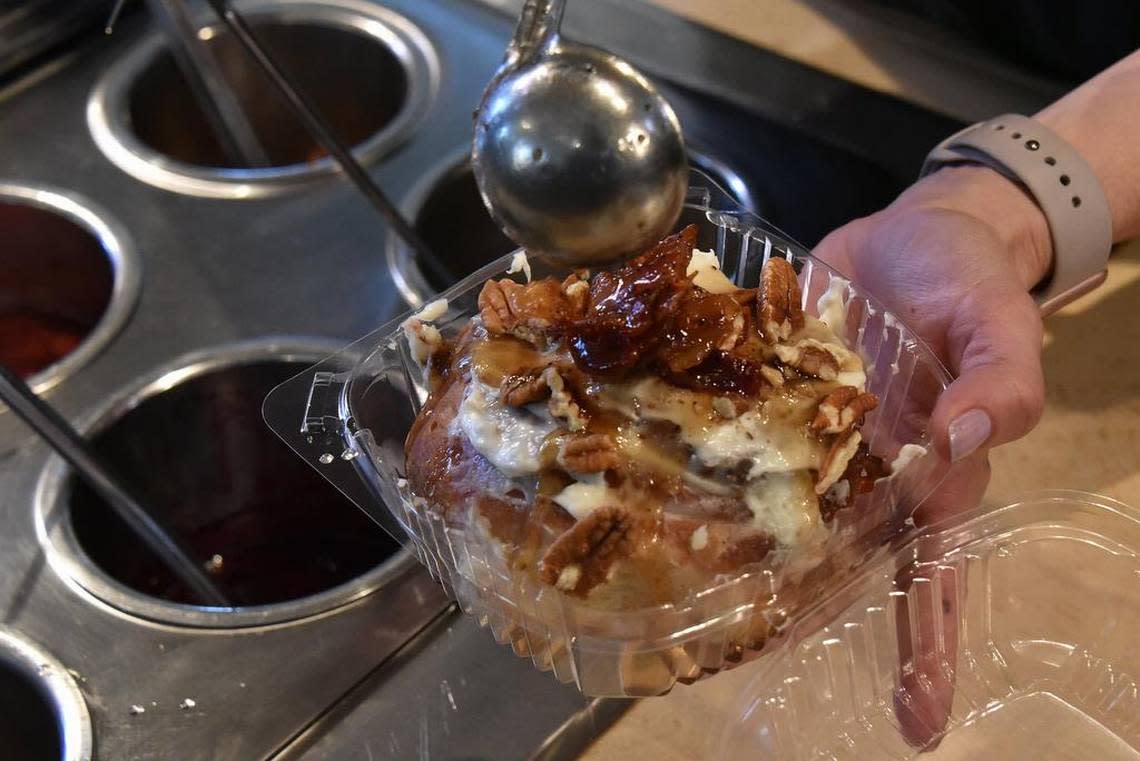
1000	204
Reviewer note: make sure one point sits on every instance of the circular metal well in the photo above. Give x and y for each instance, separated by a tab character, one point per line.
69	282
281	541
42	712
371	73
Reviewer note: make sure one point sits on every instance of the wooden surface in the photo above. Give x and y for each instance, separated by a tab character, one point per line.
1089	437
879	48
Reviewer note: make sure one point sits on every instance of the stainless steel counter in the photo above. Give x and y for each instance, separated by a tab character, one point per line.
309	264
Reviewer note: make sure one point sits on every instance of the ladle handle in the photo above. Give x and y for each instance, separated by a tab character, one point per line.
537	28
209	84
306	111
64	439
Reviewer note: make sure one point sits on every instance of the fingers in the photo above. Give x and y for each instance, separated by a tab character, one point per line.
961	490
994	345
927	618
927	629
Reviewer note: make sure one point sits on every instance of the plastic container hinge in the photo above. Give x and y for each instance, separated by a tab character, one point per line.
322	406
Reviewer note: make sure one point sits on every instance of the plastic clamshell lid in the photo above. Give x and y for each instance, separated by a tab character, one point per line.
1005	634
364	399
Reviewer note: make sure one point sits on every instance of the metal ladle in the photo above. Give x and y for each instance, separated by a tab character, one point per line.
577	156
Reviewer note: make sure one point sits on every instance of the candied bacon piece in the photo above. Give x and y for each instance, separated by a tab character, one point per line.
638	287
605	347
665	263
703	323
723	372
625	306
863	470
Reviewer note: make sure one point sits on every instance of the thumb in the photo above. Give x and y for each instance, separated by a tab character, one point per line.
836	249
994	346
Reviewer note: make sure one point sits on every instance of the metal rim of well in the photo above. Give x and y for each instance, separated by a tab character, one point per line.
109	122
407	276
72	563
56	684
126	275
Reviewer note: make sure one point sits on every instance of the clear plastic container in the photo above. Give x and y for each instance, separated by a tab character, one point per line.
1006	634
349	417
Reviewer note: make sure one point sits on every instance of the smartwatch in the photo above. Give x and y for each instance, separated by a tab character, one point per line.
1064	187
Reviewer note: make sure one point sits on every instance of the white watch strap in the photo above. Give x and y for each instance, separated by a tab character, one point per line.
1062	184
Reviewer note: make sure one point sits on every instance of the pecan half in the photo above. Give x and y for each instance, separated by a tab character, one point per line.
495	309
524	388
589	453
562	404
772	375
530	311
835	462
778	309
809	360
842	409
581	558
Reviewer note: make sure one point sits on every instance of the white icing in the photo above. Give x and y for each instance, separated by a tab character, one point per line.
772	447
424	339
907	454
784	505
771	444
830	305
706	270
724	407
509	439
856	378
840	491
519	263
432	311
585	496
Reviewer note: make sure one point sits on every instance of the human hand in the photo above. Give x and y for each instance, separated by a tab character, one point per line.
955	257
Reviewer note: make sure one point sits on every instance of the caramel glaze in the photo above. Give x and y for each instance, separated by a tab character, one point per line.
645	318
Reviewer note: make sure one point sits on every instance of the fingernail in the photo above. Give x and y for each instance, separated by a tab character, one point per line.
968	431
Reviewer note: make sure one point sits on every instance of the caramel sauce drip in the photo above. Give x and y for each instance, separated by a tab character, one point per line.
498	357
